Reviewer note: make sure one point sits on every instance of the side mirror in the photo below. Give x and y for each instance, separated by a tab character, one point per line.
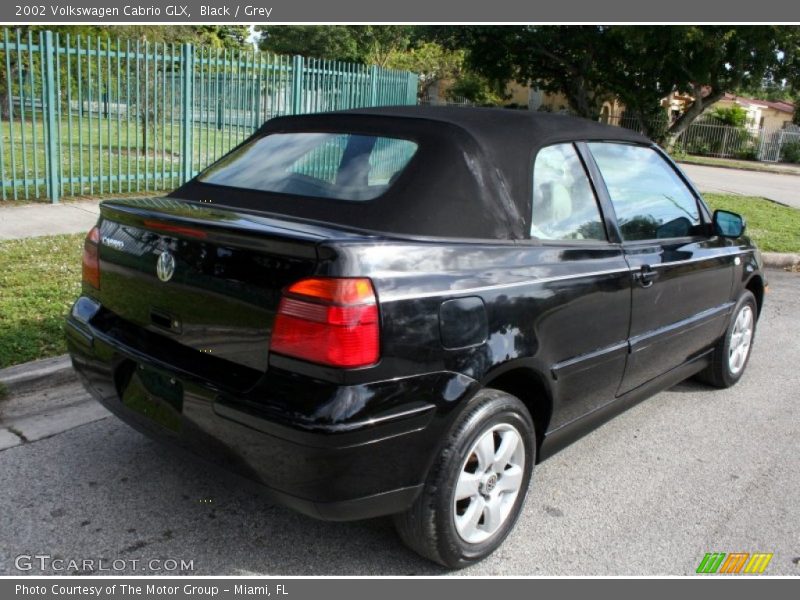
728	224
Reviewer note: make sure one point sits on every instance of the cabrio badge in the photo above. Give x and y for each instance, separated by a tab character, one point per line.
116	244
165	267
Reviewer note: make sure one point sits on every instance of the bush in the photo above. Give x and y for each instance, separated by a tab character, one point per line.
747	148
791	152
698	146
734	116
476	89
747	153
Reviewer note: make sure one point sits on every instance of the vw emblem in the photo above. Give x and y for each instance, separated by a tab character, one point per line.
165	267
490	483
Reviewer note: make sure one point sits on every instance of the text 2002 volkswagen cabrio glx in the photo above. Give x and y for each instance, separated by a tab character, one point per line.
400	311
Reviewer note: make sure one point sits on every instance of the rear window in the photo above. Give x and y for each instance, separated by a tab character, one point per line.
340	166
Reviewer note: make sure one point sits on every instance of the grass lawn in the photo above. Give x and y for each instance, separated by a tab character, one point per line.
774	227
39	278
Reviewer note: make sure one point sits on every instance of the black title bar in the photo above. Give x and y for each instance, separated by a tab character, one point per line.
408	11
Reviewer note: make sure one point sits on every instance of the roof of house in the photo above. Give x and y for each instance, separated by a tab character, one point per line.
779	105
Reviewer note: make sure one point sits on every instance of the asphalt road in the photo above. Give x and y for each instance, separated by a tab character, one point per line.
783	188
690	471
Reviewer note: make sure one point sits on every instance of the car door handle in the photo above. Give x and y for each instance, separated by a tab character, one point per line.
645	276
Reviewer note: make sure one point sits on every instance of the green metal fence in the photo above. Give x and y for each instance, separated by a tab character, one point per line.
89	116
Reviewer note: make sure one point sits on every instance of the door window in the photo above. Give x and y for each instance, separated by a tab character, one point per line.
650	199
564	205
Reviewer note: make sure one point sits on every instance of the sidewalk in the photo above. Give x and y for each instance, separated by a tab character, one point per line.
35	220
742	165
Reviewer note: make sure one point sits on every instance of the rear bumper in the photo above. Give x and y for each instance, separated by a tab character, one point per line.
363	453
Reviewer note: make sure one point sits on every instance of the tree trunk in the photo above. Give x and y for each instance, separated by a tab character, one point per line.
578	98
644	123
696	109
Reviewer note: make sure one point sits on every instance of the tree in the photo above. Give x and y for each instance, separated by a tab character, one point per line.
367	44
714	59
432	62
217	36
336	42
789	74
477	89
382	41
639	65
391	46
553	58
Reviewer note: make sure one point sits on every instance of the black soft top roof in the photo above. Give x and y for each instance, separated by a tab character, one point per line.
502	128
470	177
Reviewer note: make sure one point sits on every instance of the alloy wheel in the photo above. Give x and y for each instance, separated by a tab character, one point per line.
489	483
741	338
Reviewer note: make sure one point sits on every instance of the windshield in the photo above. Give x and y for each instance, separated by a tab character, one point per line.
339	166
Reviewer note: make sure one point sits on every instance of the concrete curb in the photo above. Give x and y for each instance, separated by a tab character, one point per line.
37	374
45	398
780	260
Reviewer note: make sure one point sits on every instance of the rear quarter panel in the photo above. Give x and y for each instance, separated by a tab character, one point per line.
559	312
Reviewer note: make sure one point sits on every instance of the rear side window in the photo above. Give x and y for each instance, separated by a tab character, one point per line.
649	198
339	166
564	205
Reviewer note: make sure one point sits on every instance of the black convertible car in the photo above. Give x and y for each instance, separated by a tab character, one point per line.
402	310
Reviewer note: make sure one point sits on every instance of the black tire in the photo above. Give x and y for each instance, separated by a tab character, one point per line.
428	527
719	372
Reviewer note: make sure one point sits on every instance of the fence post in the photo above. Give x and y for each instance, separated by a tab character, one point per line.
50	125
257	96
779	152
411	91
297	85
186	112
373	79
220	107
724	150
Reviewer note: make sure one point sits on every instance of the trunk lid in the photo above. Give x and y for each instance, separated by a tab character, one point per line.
209	279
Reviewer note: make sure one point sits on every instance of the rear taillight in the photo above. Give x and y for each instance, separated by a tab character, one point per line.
330	321
91	260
